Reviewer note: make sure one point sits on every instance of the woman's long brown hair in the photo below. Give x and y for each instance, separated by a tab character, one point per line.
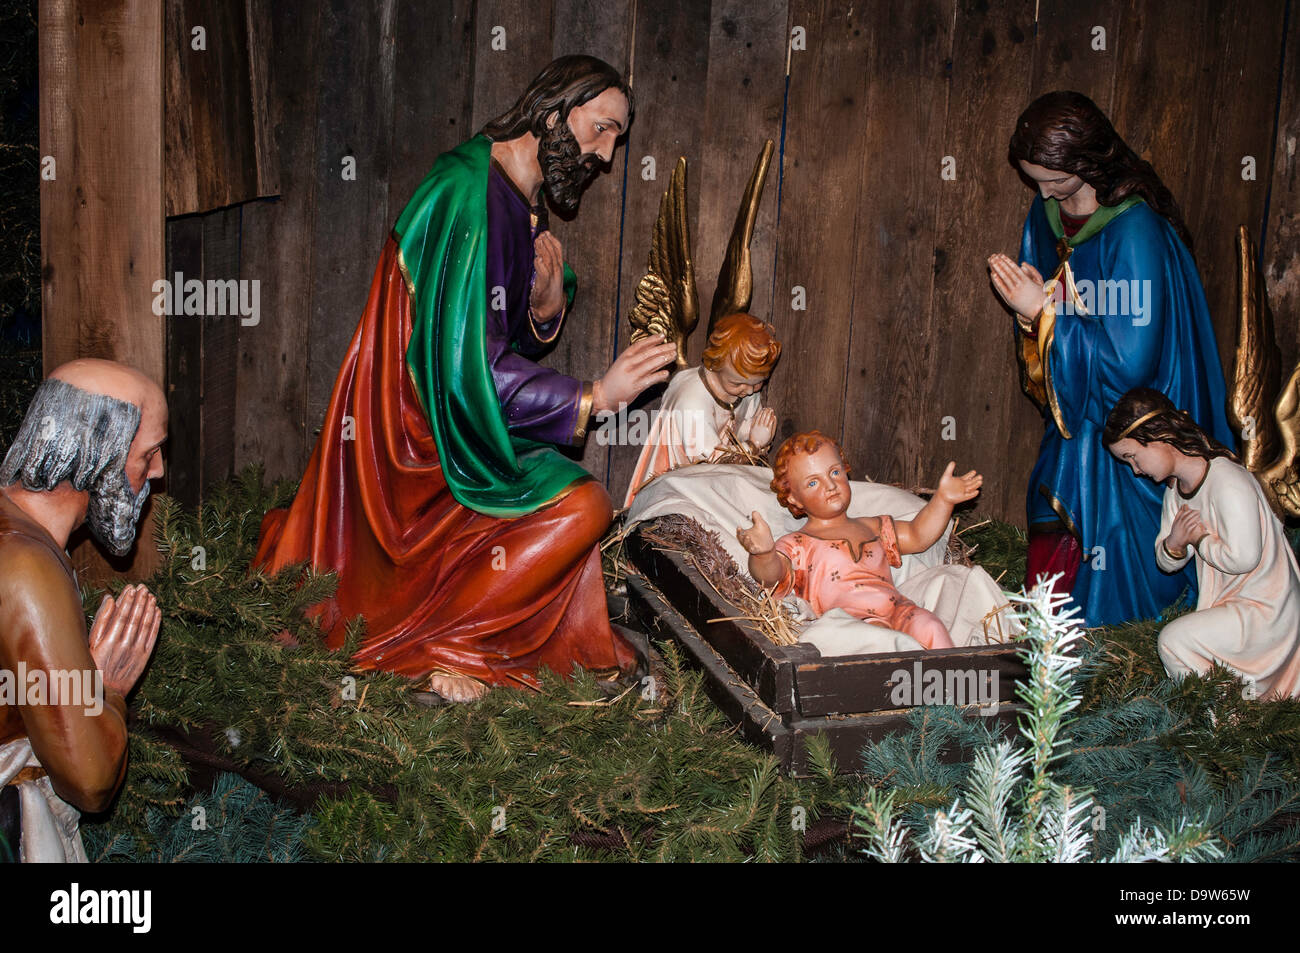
1067	132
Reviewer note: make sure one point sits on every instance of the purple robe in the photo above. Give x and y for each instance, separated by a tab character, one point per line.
539	403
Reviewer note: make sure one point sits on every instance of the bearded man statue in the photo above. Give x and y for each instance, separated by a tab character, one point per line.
88	446
459	533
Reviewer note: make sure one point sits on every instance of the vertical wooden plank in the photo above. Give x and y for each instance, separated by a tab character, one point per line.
432	87
277	250
888	417
220	350
211	153
1242	105
821	182
256	33
1203	98
1063	54
184	367
354	120
180	162
1280	248
1159	80
670	59
512	43
745	103
585	349
975	377
201	357
101	117
101	217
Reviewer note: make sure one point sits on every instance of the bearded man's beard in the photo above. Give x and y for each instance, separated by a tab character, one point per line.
565	170
114	512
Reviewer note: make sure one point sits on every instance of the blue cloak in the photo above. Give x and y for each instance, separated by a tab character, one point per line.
1149	326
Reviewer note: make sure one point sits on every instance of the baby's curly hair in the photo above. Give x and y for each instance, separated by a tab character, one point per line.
800	444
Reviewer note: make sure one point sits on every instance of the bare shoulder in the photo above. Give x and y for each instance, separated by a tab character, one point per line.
34	579
25	557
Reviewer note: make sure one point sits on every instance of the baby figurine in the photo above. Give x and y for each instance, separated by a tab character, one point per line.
714	408
1248	608
840	561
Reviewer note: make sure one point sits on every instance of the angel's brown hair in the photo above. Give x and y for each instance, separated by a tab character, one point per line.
750	343
799	445
1164	423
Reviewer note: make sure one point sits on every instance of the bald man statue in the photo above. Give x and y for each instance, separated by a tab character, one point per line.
86	451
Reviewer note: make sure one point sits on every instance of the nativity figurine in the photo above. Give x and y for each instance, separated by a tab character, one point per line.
437	492
86	450
714	410
1216	516
840	562
1123	307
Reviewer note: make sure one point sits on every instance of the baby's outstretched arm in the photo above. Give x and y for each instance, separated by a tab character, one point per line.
924	529
765	563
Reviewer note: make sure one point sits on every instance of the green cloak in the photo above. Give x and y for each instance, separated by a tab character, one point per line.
442	235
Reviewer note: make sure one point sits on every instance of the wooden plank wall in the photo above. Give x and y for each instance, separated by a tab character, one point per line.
901	328
101	119
201	358
217	143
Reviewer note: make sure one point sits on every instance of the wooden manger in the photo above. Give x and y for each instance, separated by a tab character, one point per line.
781	695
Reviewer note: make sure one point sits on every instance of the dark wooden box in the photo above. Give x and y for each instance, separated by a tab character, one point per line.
780	695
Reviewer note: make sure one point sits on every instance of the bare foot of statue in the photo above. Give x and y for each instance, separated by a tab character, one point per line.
457	688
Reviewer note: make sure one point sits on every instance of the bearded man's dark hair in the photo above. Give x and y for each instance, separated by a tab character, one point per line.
1066	131
565	83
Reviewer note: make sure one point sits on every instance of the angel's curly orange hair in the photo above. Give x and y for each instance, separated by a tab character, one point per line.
800	444
750	343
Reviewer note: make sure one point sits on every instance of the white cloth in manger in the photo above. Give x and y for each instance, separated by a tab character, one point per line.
721	497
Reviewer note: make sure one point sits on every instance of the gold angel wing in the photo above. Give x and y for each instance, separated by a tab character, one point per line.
736	277
1281	478
666	301
1270	430
1255	376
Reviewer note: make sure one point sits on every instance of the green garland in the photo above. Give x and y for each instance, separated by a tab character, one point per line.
564	774
572	774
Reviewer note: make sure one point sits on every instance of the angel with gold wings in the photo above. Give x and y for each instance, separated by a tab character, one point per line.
712	410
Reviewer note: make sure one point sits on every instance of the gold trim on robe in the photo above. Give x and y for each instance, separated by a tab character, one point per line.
1061	512
1034	351
584	410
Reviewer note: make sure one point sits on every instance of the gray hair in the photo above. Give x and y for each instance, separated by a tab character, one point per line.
70	434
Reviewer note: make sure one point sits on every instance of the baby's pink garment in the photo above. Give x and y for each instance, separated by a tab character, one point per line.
826	576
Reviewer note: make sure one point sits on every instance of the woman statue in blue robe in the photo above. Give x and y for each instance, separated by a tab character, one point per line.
1122	307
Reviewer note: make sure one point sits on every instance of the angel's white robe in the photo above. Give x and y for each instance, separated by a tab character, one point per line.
1248	613
690	427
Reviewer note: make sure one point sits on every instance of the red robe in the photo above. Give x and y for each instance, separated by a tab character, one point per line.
442	588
